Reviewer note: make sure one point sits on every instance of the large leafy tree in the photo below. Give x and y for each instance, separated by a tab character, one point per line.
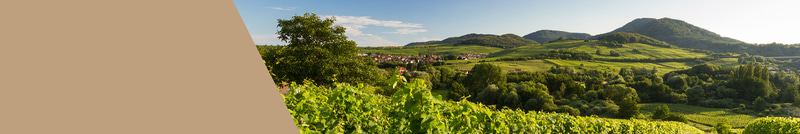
317	51
483	75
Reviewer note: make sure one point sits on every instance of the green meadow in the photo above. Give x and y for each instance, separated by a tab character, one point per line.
702	117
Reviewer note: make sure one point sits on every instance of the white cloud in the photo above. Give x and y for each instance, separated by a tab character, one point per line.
354	24
408	31
354	30
373	41
362	39
365	20
283	9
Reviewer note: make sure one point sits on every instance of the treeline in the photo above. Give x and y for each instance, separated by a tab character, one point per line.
559	39
581	55
771	49
503	41
451	39
619	38
555	54
750	88
549	35
653	60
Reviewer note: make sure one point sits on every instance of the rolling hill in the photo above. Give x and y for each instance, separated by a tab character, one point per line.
503	41
549	35
450	40
679	33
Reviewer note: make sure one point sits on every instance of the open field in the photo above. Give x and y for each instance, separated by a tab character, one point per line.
663	67
725	62
702	117
529	65
544	65
647	51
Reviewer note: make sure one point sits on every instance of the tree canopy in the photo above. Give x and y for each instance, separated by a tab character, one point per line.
317	51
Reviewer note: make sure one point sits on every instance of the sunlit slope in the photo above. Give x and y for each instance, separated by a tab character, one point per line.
627	50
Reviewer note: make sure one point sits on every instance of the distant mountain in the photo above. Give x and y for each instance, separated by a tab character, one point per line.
450	40
678	33
502	41
549	35
625	37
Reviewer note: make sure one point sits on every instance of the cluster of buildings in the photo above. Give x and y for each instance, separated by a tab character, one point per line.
405	59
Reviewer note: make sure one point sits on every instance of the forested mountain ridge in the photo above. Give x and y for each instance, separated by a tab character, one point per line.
685	35
625	37
549	35
670	30
502	41
490	40
451	39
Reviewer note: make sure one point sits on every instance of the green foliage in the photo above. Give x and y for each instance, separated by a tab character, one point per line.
676	117
723	127
413	109
750	88
628	108
605	108
569	110
317	51
677	82
450	40
760	104
625	37
705	118
789	93
565	54
661	112
614	53
549	35
540	101
458	92
773	125
796	101
502	41
489	95
619	92
695	94
483	75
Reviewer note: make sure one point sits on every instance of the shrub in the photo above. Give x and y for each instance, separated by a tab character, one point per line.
723	127
773	125
569	110
661	112
676	117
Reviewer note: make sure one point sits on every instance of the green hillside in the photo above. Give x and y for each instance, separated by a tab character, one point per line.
627	50
614	39
702	117
670	30
544	36
450	40
683	34
503	41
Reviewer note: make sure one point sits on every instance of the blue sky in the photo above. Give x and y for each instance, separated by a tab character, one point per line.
394	23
